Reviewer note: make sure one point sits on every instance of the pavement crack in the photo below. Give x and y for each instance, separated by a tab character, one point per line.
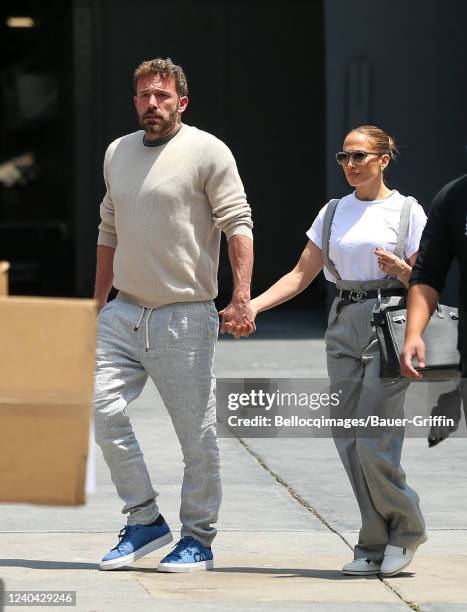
292	492
412	605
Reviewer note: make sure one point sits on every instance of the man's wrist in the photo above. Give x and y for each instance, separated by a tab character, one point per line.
101	298
241	296
413	335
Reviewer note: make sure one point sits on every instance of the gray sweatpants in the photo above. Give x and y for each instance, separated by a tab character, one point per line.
174	345
389	508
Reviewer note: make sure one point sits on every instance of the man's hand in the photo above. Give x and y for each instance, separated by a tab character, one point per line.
104	275
414	348
238	319
100	303
421	302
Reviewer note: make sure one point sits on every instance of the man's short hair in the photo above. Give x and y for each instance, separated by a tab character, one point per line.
166	69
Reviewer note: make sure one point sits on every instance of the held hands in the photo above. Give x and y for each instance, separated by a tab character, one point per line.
414	348
238	319
389	263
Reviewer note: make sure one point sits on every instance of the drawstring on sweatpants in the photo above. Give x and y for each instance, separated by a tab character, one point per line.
136	327
147	328
146	325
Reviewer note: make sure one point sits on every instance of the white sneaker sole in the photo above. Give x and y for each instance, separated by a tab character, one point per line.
185	567
141	552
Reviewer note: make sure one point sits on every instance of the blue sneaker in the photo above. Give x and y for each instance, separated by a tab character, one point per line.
136	541
189	555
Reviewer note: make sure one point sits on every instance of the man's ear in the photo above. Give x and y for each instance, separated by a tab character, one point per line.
182	104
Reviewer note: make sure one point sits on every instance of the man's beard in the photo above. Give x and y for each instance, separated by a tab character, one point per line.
162	126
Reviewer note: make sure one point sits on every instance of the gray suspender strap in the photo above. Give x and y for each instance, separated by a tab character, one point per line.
326	235
403	227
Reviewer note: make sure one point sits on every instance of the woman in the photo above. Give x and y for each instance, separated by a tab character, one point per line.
356	240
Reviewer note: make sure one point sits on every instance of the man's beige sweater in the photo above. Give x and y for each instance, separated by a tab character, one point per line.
163	212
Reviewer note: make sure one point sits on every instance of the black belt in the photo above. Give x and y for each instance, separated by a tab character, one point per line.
350	296
360	295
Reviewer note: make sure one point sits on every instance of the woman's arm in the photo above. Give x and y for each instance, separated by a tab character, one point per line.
294	282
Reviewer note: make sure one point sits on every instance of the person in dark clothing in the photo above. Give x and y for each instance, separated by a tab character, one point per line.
443	240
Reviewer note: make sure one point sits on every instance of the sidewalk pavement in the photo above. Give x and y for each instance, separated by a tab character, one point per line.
287	523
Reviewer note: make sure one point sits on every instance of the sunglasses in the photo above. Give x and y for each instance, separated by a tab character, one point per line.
358	157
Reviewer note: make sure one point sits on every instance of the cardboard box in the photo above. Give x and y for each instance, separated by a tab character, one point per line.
47	356
4	267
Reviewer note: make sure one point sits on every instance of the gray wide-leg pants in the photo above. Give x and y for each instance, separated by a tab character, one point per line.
174	345
389	508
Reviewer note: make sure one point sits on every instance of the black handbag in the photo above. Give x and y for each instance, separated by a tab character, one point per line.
440	336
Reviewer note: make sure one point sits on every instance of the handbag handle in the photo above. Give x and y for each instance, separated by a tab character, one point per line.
438	311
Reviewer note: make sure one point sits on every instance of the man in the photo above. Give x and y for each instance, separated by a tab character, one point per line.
171	189
444	239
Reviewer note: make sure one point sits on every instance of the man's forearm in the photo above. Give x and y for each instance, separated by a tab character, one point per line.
104	272
241	261
422	300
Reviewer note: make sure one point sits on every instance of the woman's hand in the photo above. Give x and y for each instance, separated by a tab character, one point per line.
389	263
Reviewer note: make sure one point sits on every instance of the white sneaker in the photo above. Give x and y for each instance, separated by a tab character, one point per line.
361	567
396	559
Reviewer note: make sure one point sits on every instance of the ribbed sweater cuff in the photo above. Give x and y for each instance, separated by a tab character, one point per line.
240	230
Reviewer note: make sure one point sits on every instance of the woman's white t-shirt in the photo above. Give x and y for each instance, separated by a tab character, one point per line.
360	226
